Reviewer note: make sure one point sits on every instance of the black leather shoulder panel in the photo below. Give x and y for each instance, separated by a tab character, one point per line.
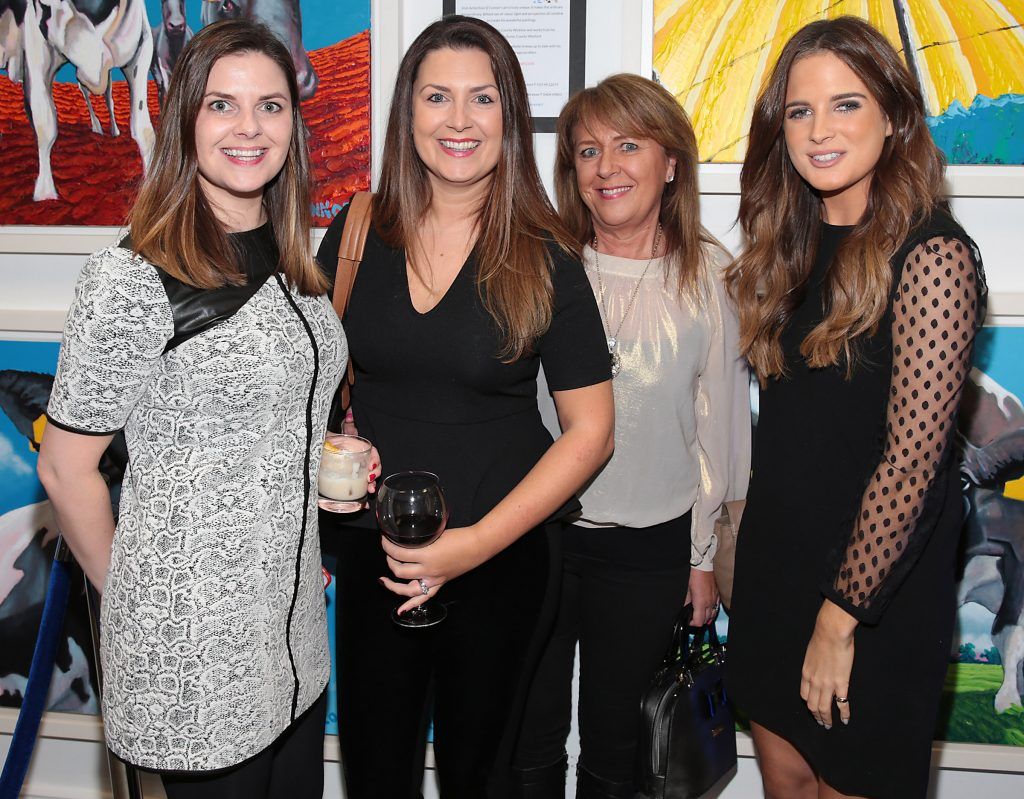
197	309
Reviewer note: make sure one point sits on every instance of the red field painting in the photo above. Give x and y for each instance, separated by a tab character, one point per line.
96	175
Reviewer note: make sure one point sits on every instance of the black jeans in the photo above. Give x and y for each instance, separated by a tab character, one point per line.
470	672
292	767
622	589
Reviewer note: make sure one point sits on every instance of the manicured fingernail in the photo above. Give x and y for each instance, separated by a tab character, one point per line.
845	721
373	477
827	726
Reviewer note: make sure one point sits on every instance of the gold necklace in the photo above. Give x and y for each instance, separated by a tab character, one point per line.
613	340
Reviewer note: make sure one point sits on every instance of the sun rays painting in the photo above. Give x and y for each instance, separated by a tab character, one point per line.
968	56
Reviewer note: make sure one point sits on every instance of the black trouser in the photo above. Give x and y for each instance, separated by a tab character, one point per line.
622	589
469	671
292	767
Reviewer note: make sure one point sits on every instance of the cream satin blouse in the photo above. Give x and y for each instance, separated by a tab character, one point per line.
682	404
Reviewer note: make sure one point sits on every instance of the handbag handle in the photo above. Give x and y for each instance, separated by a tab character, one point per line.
685	647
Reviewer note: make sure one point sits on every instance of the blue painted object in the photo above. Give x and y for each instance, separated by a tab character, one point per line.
50	628
986	132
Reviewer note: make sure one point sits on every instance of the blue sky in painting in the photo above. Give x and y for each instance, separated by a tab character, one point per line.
999	356
982	133
18	483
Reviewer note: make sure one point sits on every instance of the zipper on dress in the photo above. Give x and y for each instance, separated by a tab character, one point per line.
305	485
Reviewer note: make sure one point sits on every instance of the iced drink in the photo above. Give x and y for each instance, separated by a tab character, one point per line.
344	468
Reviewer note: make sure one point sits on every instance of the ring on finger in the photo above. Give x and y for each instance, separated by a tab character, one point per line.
424	588
842	700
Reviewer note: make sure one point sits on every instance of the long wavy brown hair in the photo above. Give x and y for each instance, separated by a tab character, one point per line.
516	219
781	215
636	106
172	223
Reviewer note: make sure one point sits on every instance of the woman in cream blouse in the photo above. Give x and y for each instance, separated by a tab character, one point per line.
626	180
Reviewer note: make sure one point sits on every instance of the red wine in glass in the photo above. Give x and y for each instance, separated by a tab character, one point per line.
412	512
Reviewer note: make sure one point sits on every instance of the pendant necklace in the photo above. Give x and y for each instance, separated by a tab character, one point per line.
613	339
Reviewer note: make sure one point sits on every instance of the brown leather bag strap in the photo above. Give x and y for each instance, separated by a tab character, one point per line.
350	253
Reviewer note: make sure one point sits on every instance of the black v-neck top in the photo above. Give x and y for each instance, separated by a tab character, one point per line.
431	391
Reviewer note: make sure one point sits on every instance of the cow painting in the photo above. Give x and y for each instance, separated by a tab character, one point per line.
94	168
283	18
28	535
993	442
95	36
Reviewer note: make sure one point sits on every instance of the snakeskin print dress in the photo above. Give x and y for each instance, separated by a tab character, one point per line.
214	634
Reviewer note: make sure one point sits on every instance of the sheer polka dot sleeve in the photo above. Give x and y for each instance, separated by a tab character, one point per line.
115	333
937	309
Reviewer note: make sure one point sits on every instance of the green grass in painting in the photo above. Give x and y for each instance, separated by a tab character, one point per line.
967	713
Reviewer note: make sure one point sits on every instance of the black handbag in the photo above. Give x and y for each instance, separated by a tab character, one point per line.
687	733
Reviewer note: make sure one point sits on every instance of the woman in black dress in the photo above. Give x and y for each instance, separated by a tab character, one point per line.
468	284
859	299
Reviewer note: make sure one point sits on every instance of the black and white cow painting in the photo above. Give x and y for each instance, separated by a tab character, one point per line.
27	538
37	37
993	444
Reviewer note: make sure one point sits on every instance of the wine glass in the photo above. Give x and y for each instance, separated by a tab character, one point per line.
412	512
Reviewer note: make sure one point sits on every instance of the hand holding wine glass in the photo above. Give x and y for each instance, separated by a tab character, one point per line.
412	512
458	551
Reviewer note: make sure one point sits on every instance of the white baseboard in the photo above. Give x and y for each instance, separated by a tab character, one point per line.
70	763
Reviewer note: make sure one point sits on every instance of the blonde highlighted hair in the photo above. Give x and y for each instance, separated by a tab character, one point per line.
781	215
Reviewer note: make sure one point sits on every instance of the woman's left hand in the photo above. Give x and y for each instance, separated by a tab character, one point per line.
456	552
828	663
702	593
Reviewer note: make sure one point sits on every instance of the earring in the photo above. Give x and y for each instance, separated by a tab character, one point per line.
671	178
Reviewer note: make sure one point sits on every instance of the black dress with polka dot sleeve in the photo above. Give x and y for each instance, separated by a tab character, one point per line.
855	497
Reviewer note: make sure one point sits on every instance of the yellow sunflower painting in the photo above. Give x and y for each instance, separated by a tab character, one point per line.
967	54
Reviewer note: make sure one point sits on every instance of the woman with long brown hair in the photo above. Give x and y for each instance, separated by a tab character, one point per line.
206	336
468	284
626	182
859	299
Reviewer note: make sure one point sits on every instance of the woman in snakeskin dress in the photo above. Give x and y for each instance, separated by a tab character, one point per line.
207	338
